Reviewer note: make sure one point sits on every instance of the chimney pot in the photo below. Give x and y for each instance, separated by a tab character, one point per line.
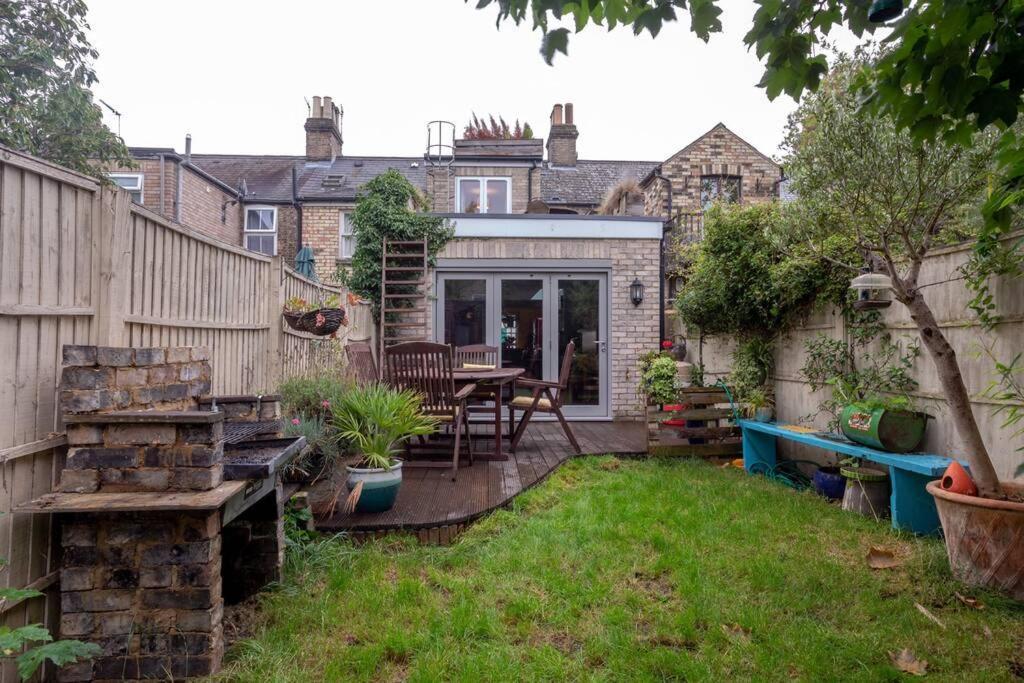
328	108
568	113
323	130
317	108
556	115
188	147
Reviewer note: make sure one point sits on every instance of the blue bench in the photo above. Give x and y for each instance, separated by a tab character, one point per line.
912	507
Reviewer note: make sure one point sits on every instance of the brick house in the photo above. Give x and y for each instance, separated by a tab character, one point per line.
530	242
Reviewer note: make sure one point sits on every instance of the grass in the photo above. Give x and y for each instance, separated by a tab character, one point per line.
633	570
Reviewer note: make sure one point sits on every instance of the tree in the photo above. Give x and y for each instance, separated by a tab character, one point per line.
953	68
45	76
383	211
859	174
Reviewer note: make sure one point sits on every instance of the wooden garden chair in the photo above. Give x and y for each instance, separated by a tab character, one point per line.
545	397
361	363
479	357
426	368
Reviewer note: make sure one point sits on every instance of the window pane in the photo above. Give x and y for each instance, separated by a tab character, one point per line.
266	219
346	241
137	197
578	315
252	219
131	182
708	191
259	220
469	196
465	312
264	244
729	190
497	196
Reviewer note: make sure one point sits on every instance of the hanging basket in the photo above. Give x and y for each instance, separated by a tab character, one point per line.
294	320
332	319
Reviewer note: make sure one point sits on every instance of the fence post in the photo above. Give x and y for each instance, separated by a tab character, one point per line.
275	336
111	269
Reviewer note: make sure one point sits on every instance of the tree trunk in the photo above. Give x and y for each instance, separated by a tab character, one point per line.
959	400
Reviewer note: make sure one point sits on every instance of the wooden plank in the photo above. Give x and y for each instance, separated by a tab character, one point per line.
45	310
41	584
130	502
33	447
701	432
186	323
698	450
702	414
37	166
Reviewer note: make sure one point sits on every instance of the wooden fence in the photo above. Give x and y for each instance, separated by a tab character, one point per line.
80	264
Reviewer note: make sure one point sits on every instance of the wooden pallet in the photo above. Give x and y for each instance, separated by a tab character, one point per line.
701	426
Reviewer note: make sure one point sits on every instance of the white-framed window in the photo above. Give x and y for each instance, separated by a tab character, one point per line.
261	229
132	182
484	195
346	236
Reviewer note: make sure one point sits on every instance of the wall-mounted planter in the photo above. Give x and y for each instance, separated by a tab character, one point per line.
896	431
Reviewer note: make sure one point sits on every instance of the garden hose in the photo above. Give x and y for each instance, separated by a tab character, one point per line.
785	472
728	395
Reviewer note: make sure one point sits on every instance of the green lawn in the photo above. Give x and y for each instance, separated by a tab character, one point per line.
633	570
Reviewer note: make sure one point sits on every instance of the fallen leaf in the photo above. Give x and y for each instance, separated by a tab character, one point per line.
969	601
905	661
880	558
986	630
924	610
736	632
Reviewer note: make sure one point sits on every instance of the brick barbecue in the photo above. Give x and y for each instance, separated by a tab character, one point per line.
165	492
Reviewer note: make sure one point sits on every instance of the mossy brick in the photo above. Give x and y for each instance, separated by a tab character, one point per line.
179	354
200	388
270	410
195	666
84	434
80	556
86	401
191	643
114	356
77	578
200	353
114	646
200	528
79	481
100	457
78	533
96	601
123	577
132	377
156	577
177	553
187	598
75	354
154	643
163	374
197	575
240	410
117	623
150	531
175	392
150	356
135	479
159	456
190	371
198	456
209	433
199	620
77	624
197	478
117	556
74	673
87	378
140	434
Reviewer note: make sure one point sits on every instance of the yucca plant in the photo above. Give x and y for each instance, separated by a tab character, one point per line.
375	420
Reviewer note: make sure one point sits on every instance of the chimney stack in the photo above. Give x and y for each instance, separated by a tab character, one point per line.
562	138
323	130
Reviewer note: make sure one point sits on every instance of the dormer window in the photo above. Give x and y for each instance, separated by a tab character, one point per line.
132	182
484	195
719	188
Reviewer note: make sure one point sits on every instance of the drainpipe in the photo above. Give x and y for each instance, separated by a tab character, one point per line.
529	184
298	209
163	209
181	177
666	226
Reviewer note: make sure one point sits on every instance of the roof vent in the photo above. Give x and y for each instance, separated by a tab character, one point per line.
414	164
332	180
357	163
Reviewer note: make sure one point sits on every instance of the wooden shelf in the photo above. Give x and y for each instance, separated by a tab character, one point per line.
135	502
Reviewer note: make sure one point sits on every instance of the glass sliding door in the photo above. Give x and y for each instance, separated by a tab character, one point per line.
531	317
521	324
579	321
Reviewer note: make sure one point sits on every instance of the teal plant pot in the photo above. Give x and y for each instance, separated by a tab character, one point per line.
380	487
896	431
764	414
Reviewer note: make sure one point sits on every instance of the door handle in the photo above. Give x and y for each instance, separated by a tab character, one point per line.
601	345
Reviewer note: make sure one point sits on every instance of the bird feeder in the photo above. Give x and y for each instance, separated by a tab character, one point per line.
872	291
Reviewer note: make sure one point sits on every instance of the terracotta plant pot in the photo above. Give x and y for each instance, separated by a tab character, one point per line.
984	538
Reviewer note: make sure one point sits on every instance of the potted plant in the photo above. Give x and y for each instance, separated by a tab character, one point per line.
829	482
294	308
758	405
374	421
325	318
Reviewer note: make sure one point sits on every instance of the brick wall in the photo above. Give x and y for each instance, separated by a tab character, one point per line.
201	203
634	329
287	233
720	151
151	194
320	226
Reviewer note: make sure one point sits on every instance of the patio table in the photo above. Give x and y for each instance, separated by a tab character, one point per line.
498	378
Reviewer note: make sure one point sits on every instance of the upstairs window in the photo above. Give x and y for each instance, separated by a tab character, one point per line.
484	195
261	229
132	182
719	188
346	236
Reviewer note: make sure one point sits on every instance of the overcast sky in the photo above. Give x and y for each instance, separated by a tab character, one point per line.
235	75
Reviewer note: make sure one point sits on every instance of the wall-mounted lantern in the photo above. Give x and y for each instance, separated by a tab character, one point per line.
636	292
872	290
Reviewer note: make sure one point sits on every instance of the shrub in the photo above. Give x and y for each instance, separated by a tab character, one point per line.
374	420
312	396
659	378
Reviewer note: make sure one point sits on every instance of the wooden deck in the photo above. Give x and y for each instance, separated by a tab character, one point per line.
434	507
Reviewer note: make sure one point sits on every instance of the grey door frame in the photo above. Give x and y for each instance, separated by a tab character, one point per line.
549	272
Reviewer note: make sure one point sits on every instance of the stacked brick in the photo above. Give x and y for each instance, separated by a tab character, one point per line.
144	451
147	590
96	379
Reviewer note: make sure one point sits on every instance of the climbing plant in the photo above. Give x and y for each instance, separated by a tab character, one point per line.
387	208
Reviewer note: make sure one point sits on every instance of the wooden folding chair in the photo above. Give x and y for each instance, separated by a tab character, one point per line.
361	363
545	397
426	368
